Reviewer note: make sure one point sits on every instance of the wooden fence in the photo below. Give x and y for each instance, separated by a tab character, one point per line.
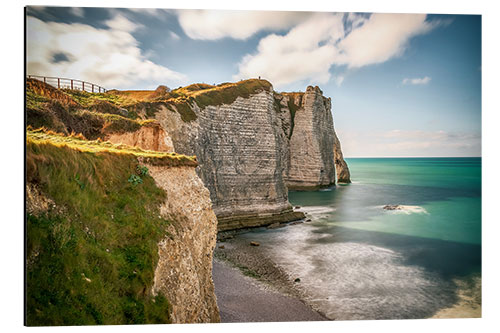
64	83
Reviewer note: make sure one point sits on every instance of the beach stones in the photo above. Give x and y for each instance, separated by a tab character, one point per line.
254	243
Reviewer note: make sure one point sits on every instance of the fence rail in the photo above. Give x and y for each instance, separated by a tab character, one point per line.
64	83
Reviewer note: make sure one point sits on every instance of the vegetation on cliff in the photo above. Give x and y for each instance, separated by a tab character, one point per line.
61	109
182	99
91	255
94	115
78	142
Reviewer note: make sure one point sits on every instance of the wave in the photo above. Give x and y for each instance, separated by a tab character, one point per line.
316	210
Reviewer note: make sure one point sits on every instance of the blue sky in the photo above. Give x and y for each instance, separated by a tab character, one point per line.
401	85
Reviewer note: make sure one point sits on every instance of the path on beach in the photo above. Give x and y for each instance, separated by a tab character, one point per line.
242	299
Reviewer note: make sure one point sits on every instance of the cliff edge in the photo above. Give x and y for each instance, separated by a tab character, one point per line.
115	234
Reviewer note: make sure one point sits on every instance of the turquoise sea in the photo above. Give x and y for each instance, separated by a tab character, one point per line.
359	261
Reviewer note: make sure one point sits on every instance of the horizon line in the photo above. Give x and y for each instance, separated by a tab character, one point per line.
412	156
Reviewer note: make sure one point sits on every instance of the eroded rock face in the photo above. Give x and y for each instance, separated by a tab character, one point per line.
240	151
150	137
343	173
250	152
184	270
311	142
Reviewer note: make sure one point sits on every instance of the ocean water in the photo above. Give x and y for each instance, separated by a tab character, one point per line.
359	261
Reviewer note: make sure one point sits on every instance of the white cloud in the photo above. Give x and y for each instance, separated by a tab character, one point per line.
174	36
108	57
121	23
158	12
77	11
415	81
380	38
309	49
306	52
216	24
339	79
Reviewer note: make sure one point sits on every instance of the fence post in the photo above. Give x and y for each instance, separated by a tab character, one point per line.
44	81
58	83
92	88
99	90
83	86
71	84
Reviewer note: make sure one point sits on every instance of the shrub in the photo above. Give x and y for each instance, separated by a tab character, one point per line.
135	180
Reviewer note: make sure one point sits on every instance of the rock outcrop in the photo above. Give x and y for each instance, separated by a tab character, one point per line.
311	145
343	173
149	137
253	145
184	270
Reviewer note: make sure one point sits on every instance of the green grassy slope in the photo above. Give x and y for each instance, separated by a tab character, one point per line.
91	257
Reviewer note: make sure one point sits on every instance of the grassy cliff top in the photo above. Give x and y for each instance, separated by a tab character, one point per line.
217	94
205	95
77	142
181	100
94	115
92	241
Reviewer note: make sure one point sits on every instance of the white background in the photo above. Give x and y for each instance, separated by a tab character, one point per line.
12	159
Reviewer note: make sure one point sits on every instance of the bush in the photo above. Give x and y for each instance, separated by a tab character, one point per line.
135	180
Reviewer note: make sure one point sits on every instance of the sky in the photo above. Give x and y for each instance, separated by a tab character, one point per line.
401	85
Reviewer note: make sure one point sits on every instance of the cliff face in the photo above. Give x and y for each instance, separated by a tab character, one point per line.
150	137
116	235
253	146
343	174
239	148
311	145
184	270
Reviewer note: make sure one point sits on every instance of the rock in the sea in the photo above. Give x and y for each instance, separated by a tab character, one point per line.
274	225
297	280
295	222
392	207
254	243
